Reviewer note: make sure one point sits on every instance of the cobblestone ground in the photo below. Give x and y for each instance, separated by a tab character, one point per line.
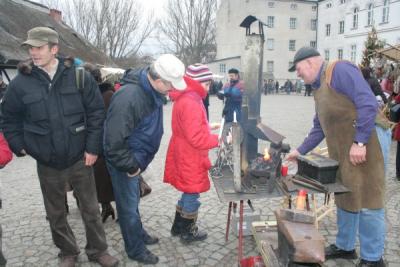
27	240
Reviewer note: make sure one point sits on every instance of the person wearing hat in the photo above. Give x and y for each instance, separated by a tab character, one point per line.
187	162
346	110
47	117
132	134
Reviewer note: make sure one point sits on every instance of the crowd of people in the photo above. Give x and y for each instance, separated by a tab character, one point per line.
97	141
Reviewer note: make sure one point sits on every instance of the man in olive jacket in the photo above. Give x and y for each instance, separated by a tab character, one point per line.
47	117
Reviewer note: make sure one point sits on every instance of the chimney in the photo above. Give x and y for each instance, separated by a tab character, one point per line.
56	15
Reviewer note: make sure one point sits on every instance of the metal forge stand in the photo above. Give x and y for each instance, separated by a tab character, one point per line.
236	174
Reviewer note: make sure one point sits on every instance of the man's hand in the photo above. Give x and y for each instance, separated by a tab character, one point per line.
90	159
358	154
292	156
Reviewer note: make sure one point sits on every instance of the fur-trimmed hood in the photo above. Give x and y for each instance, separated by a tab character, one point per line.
25	67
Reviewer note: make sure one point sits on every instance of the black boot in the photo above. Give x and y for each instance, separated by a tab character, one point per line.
177	225
106	211
190	231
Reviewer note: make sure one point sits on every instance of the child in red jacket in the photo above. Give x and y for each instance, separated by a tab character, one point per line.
187	161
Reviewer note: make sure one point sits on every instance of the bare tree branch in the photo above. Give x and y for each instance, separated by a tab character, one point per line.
190	26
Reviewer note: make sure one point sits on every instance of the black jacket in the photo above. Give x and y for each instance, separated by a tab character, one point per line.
53	121
134	125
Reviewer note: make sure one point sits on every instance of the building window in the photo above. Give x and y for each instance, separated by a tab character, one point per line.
270	66
313	44
370	15
326	55
314	8
292	45
293	22
271	4
293	6
313	24
342	2
340	54
328	29
222	68
355	17
385	11
341	27
270	21
329	5
270	44
353	53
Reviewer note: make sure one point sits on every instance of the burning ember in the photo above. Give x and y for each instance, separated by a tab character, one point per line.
266	154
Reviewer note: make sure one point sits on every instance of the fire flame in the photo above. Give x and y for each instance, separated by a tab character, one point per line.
266	154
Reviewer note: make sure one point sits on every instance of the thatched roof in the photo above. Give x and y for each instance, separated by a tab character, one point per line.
19	16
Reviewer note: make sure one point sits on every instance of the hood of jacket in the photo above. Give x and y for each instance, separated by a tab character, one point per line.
192	86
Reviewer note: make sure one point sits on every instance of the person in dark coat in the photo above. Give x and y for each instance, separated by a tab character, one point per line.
132	136
103	180
48	116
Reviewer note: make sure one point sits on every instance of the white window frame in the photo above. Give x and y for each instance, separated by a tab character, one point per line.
293	6
356	10
270	66
385	11
370	14
327	29
313	44
313	24
353	53
292	23
271	4
270	21
292	45
326	54
270	43
340	53
341	27
222	68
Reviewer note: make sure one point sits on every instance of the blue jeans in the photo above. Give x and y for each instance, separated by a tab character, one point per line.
385	140
127	198
189	203
371	227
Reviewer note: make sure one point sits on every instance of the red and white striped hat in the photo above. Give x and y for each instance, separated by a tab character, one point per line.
199	72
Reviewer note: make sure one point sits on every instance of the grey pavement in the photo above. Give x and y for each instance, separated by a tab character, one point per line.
27	239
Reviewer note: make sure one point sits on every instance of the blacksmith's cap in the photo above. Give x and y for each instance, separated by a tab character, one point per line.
303	53
40	36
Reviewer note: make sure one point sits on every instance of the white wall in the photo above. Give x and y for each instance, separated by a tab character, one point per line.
390	31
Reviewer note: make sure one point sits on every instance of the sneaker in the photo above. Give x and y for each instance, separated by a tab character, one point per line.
106	260
365	263
68	261
333	252
147	257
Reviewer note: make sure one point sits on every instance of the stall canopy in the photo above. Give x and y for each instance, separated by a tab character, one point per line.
392	52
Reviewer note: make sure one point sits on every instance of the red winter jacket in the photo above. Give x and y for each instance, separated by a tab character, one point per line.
187	163
5	151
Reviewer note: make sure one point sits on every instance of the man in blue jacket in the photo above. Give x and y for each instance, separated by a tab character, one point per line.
132	136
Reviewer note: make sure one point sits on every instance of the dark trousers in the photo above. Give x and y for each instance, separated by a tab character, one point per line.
53	183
